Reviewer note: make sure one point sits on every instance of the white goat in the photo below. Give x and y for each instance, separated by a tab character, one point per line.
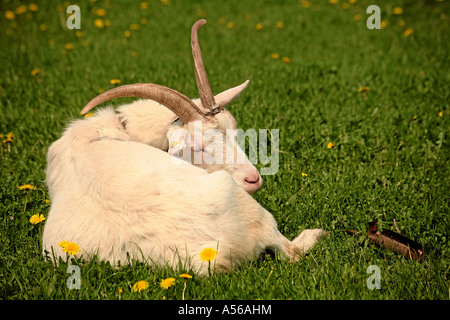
121	199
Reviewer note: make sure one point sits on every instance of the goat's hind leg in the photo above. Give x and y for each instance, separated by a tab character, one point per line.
305	241
263	230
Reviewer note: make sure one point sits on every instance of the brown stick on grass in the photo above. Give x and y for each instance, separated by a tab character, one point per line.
393	241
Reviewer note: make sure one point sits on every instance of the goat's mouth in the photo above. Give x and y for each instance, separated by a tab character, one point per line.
252	183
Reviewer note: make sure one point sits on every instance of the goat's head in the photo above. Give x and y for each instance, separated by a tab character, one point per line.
204	129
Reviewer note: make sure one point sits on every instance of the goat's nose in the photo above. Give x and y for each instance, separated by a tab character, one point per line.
252	179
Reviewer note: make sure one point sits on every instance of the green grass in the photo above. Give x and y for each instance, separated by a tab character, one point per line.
390	160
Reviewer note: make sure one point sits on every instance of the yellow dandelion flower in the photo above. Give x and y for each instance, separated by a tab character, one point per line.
330	145
364	89
414	117
27	187
7	140
107	23
259	26
275	56
383	24
37	218
144	21
100	12
165	2
134	26
208	254
167	283
397	10
127	33
69	46
21	9
304	174
10	15
352	1
201	13
43	27
441	113
140	286
47	201
286	59
333	1
185	276
357	17
79	33
408	32
114	81
306	3
119	290
345	5
33	7
35	71
99	23
71	248
144	5
230	25
279	24
62	243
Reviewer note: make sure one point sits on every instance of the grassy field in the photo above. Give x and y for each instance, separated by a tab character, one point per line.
308	64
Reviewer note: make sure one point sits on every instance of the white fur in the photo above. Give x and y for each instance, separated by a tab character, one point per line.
116	197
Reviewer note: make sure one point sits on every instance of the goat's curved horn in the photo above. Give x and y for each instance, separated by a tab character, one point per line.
204	88
177	102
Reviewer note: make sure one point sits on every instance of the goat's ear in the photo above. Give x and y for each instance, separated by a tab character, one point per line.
178	140
225	97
